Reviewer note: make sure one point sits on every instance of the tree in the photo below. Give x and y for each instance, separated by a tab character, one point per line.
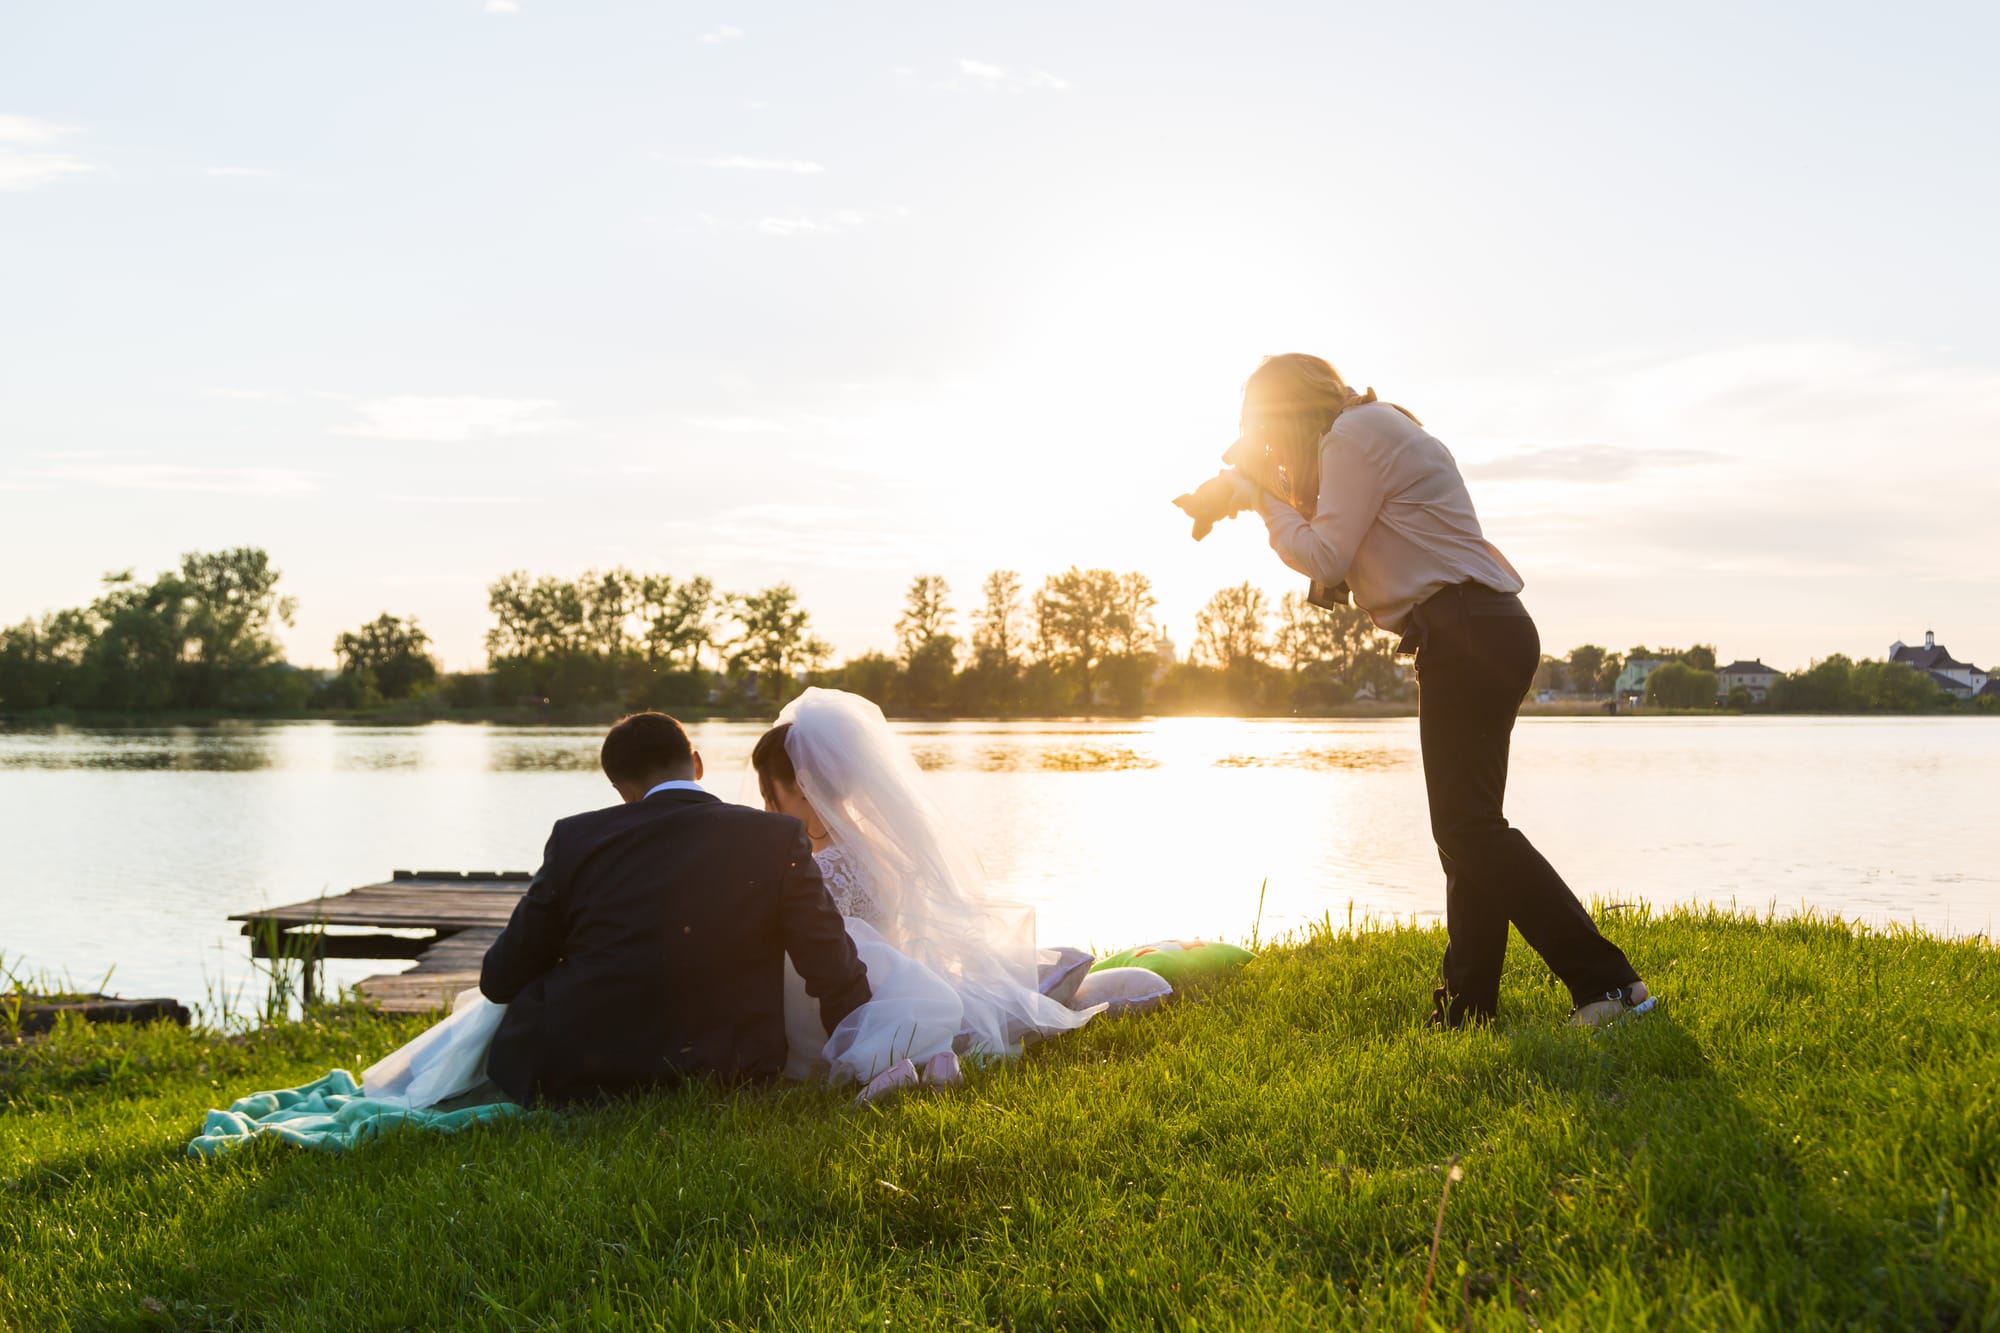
996	634
1551	675
1826	686
1701	657
1333	637
608	597
928	673
536	618
1678	685
871	675
41	662
1080	617
392	656
1231	630
1894	687
774	635
677	620
1607	675
232	606
1137	635
1585	668
926	612
200	636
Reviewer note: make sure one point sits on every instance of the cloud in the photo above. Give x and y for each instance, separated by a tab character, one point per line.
985	76
248	395
741	163
172	477
502	7
255	172
448	419
804	224
1585	463
24	162
27	130
799	225
740	425
452	499
810	536
722	32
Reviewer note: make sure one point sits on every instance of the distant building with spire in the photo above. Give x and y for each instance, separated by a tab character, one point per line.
1960	679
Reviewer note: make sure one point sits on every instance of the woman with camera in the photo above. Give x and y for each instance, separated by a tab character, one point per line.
1358	496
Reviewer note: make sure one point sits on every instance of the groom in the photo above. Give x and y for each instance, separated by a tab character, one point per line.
651	944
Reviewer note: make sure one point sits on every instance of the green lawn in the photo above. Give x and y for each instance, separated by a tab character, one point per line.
1807	1134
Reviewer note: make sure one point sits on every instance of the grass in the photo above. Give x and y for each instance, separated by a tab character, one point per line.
1806	1135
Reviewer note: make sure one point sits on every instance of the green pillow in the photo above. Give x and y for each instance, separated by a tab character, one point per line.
1179	960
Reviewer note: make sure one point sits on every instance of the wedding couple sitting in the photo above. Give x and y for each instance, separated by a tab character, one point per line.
842	932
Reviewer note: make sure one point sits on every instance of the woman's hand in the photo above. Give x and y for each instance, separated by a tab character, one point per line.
1223	495
1244	491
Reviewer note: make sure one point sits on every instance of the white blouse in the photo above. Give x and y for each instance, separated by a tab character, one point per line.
1395	522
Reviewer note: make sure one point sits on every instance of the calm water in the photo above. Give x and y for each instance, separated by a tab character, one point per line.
130	848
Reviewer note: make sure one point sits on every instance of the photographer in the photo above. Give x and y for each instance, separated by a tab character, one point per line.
1357	495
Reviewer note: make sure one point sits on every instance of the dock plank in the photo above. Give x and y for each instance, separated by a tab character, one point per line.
441	972
465	911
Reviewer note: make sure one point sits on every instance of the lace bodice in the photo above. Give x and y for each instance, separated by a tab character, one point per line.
849	889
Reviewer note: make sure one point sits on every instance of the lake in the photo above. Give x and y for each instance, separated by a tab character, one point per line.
130	848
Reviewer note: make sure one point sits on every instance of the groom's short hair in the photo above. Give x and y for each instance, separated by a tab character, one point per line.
646	745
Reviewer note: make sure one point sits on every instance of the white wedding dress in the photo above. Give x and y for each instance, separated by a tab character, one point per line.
911	1012
949	966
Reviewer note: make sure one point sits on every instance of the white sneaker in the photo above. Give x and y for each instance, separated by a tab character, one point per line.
890	1081
1616	1004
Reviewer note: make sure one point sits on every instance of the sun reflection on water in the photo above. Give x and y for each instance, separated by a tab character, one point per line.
1117	832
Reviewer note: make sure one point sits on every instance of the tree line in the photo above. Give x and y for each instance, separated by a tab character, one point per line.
201	638
1085	640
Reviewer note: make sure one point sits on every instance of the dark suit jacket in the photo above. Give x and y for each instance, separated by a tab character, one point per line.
650	946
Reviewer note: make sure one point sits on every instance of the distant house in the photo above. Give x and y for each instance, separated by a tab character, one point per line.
1632	680
1960	679
1753	676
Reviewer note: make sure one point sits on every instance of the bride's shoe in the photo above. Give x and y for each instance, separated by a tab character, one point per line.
891	1080
943	1071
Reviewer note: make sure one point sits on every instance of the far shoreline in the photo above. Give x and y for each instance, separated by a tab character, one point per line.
598	715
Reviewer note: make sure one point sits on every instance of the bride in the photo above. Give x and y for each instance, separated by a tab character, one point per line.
952	969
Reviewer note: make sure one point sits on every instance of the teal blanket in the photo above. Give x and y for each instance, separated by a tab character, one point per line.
330	1114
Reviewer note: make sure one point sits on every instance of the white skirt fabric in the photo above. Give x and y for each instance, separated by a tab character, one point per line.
912	1013
442	1061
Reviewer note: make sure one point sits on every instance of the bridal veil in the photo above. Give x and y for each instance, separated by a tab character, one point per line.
934	902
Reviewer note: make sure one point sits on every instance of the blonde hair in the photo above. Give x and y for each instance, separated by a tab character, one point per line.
1289	403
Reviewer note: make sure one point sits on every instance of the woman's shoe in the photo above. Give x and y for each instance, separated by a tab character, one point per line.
890	1081
943	1071
1616	1004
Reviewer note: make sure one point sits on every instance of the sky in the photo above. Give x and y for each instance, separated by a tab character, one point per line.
1702	297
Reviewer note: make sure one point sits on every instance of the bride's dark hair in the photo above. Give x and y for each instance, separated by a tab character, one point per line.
772	761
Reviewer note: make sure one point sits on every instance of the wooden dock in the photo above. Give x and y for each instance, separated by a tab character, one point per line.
463	911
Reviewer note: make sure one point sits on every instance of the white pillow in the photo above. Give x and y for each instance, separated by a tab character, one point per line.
1062	971
1127	990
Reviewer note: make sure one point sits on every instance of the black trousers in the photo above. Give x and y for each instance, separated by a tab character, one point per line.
1477	652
